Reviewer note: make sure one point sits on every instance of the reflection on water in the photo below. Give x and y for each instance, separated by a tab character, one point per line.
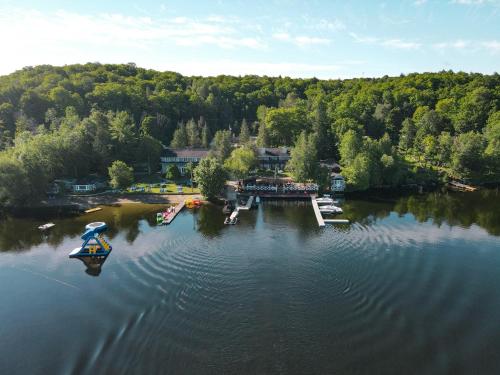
398	291
93	264
20	234
463	209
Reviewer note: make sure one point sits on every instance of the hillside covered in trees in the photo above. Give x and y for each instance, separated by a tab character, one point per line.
77	119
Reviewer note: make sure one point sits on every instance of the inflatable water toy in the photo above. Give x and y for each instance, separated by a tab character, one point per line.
94	244
192	203
163	217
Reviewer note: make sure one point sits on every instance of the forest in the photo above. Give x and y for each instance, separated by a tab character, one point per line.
74	120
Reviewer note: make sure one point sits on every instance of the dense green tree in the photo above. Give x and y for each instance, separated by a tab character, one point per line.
120	174
467	154
262	136
7	117
357	173
407	135
303	163
284	124
210	176
241	161
244	132
445	145
193	134
205	134
13	182
149	151
221	148
173	173
180	139
350	146
82	108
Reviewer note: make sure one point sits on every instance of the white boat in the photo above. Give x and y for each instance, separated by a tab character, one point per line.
46	226
324	200
330	209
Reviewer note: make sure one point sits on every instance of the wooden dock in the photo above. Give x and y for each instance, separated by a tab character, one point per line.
317	212
248	205
177	209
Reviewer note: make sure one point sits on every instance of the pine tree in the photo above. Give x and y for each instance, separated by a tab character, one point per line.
205	132
193	134
244	132
262	136
180	139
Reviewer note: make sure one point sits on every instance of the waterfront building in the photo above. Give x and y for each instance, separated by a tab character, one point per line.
273	157
181	157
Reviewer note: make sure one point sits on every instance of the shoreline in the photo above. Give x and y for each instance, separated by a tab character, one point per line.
114	199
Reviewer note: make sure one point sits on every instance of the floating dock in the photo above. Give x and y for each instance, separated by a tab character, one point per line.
317	212
177	209
336	221
248	205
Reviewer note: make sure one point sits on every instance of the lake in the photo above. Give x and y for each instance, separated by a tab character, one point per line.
411	286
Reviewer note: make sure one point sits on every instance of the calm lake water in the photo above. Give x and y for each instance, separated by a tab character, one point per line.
410	287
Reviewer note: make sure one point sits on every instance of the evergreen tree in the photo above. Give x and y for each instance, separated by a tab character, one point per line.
407	135
221	148
262	136
303	163
350	146
205	136
180	139
244	132
193	134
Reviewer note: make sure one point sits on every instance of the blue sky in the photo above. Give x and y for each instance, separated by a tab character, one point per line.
317	38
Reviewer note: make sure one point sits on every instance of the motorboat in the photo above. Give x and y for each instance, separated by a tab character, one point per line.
230	221
233	219
46	226
324	200
330	209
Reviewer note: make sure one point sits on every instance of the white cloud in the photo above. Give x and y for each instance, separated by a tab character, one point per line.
458	45
475	2
329	25
492	45
364	39
33	28
400	44
419	2
233	67
282	36
389	43
301	40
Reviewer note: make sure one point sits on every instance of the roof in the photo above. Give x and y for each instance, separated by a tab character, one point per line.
273	151
186	152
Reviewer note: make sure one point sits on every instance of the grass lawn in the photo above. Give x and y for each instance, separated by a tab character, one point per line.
158	188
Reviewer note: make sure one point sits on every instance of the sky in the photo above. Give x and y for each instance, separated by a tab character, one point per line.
316	38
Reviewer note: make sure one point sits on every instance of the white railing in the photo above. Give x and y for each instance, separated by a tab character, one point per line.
261	187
